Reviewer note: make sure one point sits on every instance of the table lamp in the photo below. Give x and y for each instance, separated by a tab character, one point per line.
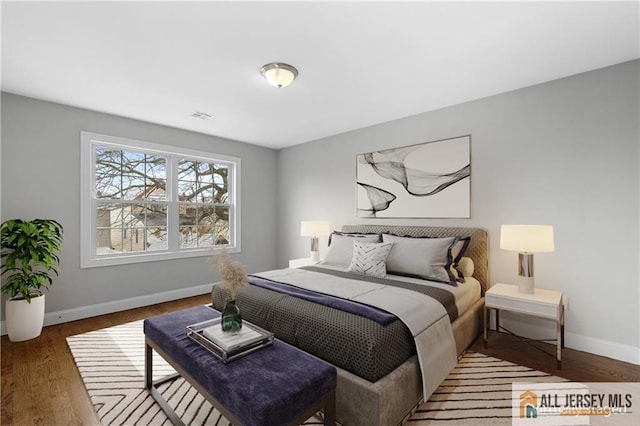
526	240
314	229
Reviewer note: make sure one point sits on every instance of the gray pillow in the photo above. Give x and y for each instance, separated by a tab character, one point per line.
427	258
341	249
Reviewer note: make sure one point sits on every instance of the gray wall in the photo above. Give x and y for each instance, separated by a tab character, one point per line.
563	153
41	178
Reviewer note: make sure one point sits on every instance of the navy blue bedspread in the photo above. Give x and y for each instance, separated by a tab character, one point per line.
269	387
371	312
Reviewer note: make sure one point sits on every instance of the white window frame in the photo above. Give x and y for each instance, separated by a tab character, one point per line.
88	256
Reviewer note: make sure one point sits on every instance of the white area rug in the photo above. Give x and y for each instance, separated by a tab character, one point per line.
477	392
111	363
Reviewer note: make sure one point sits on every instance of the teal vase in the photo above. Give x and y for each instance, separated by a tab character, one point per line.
231	318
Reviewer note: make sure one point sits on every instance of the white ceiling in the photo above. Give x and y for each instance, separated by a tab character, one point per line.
360	63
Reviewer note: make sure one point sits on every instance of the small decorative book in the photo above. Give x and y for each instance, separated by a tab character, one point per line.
231	341
229	346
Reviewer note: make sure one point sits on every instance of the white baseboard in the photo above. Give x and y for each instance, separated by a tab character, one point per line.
546	329
83	312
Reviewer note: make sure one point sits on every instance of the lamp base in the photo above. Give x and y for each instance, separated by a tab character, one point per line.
315	249
525	273
526	285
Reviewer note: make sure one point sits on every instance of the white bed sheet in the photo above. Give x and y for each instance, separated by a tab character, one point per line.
466	294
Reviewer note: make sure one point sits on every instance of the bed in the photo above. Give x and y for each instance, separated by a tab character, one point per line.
379	372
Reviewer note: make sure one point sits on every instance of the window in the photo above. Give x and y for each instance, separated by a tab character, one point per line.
142	201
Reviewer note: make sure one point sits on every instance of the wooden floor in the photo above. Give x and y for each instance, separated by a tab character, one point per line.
41	384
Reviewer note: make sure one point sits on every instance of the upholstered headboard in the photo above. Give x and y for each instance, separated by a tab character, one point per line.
478	249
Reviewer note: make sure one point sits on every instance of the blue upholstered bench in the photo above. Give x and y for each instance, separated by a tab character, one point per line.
276	385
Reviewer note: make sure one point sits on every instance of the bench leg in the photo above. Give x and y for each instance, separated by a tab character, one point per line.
330	411
148	367
151	387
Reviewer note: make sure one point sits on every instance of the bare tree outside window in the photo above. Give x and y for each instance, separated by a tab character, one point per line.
203	195
131	202
144	201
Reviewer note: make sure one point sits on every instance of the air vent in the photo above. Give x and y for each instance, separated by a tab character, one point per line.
201	115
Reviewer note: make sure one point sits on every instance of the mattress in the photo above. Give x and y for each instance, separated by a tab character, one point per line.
347	339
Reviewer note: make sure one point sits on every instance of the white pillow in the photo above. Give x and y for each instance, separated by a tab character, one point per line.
427	258
370	258
341	248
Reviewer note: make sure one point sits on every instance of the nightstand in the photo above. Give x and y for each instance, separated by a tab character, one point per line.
542	303
299	263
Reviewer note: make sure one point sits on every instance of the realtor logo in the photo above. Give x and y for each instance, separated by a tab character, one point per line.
575	404
528	405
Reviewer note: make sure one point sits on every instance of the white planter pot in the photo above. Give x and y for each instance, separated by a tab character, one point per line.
24	320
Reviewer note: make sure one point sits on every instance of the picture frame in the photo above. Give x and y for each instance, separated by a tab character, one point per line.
425	180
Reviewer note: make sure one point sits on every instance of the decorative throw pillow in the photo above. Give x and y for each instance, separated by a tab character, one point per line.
341	249
370	258
465	267
427	258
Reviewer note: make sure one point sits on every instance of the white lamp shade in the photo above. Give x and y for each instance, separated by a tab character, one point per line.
527	238
310	228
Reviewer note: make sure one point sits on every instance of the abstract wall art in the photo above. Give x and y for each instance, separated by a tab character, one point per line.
426	180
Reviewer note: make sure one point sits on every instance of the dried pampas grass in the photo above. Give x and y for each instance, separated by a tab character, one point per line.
232	273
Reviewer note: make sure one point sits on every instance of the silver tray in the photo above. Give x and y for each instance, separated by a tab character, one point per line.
257	341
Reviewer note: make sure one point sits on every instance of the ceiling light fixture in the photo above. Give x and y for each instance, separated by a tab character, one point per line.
279	74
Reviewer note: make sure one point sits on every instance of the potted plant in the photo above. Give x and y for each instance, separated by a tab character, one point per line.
30	258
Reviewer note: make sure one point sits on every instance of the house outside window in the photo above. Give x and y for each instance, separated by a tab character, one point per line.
143	201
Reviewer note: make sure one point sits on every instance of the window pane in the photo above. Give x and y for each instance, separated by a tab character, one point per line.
206	223
188	237
130	175
108	228
222	226
186	191
133	239
187	214
220	179
133	215
133	218
186	170
206	215
132	171
156	227
187	187
108	181
157	238
156	177
115	240
156	215
205	182
206	237
204	172
109	215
